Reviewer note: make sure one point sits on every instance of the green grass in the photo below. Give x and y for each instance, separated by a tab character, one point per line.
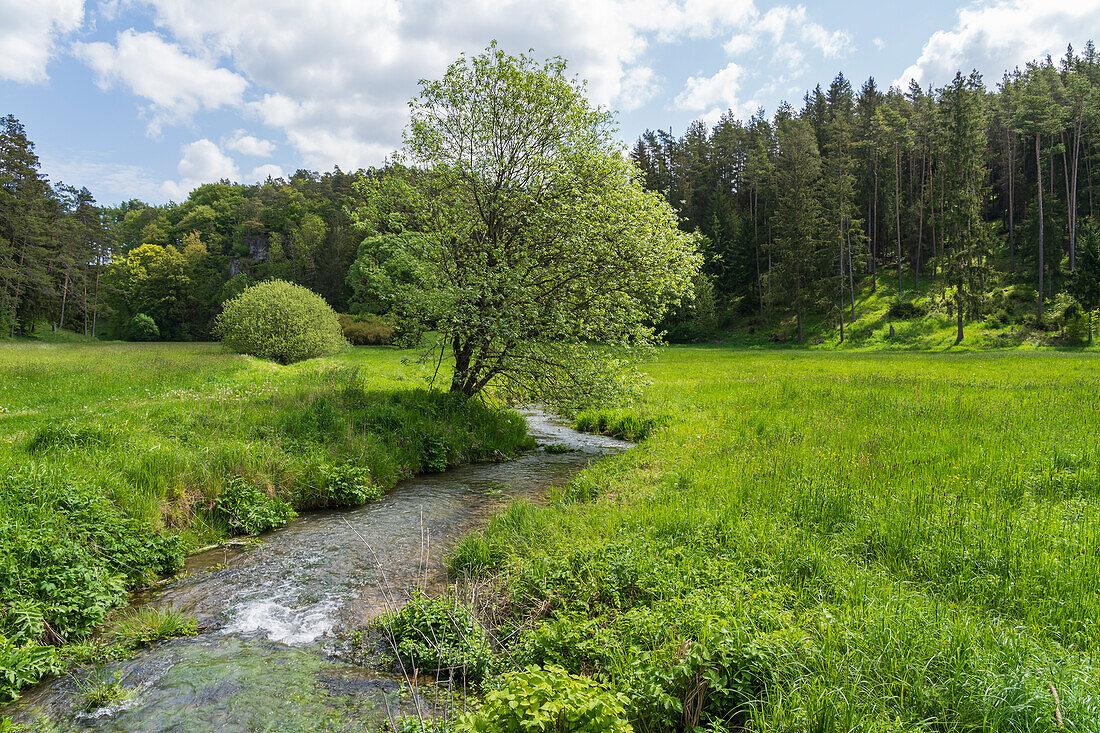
1008	322
117	458
820	541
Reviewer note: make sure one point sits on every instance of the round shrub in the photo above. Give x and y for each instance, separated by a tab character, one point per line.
280	321
142	328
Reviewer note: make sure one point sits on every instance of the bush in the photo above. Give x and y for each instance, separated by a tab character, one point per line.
366	330
438	636
280	321
349	485
251	510
142	328
548	699
905	310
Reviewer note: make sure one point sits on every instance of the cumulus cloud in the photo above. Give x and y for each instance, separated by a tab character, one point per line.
993	37
202	162
176	84
639	85
787	27
335	76
715	94
250	145
29	34
261	173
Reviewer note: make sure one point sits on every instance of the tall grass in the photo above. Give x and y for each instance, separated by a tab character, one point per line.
115	457
828	541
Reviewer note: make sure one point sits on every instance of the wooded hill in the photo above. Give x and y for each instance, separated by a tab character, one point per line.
979	200
971	203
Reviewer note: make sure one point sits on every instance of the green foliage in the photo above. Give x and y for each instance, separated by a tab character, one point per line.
906	310
439	636
67	555
547	700
249	509
366	330
91	506
145	625
349	485
771	560
142	328
382	267
280	321
534	240
23	664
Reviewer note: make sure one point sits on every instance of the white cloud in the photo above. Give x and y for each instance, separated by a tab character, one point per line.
993	37
249	145
29	32
263	172
713	93
335	76
202	162
639	85
175	83
788	26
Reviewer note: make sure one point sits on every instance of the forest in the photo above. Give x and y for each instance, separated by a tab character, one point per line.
972	202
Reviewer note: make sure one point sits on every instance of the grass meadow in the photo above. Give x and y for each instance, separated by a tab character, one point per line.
117	459
826	541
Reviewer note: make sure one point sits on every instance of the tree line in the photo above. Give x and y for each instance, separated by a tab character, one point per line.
959	194
979	202
66	262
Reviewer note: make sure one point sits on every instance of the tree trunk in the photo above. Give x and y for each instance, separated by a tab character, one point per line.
64	297
1011	204
897	208
1042	264
95	299
920	228
851	274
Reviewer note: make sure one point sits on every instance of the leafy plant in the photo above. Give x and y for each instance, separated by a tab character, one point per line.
438	636
251	510
24	664
349	485
906	309
547	700
280	321
366	330
142	328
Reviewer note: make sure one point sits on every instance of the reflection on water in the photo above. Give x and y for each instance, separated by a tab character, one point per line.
267	611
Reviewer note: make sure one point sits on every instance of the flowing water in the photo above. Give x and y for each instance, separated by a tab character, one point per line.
271	613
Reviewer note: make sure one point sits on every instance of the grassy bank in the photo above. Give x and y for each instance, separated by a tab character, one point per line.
922	320
116	459
826	542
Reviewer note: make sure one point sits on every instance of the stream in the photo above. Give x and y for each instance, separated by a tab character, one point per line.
272	613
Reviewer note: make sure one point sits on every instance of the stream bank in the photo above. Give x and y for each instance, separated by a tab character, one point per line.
272	613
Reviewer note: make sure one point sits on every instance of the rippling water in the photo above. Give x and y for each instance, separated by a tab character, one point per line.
270	613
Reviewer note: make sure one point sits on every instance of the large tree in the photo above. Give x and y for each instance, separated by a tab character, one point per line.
539	241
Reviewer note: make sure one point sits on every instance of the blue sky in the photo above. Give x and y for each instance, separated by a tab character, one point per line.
148	98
